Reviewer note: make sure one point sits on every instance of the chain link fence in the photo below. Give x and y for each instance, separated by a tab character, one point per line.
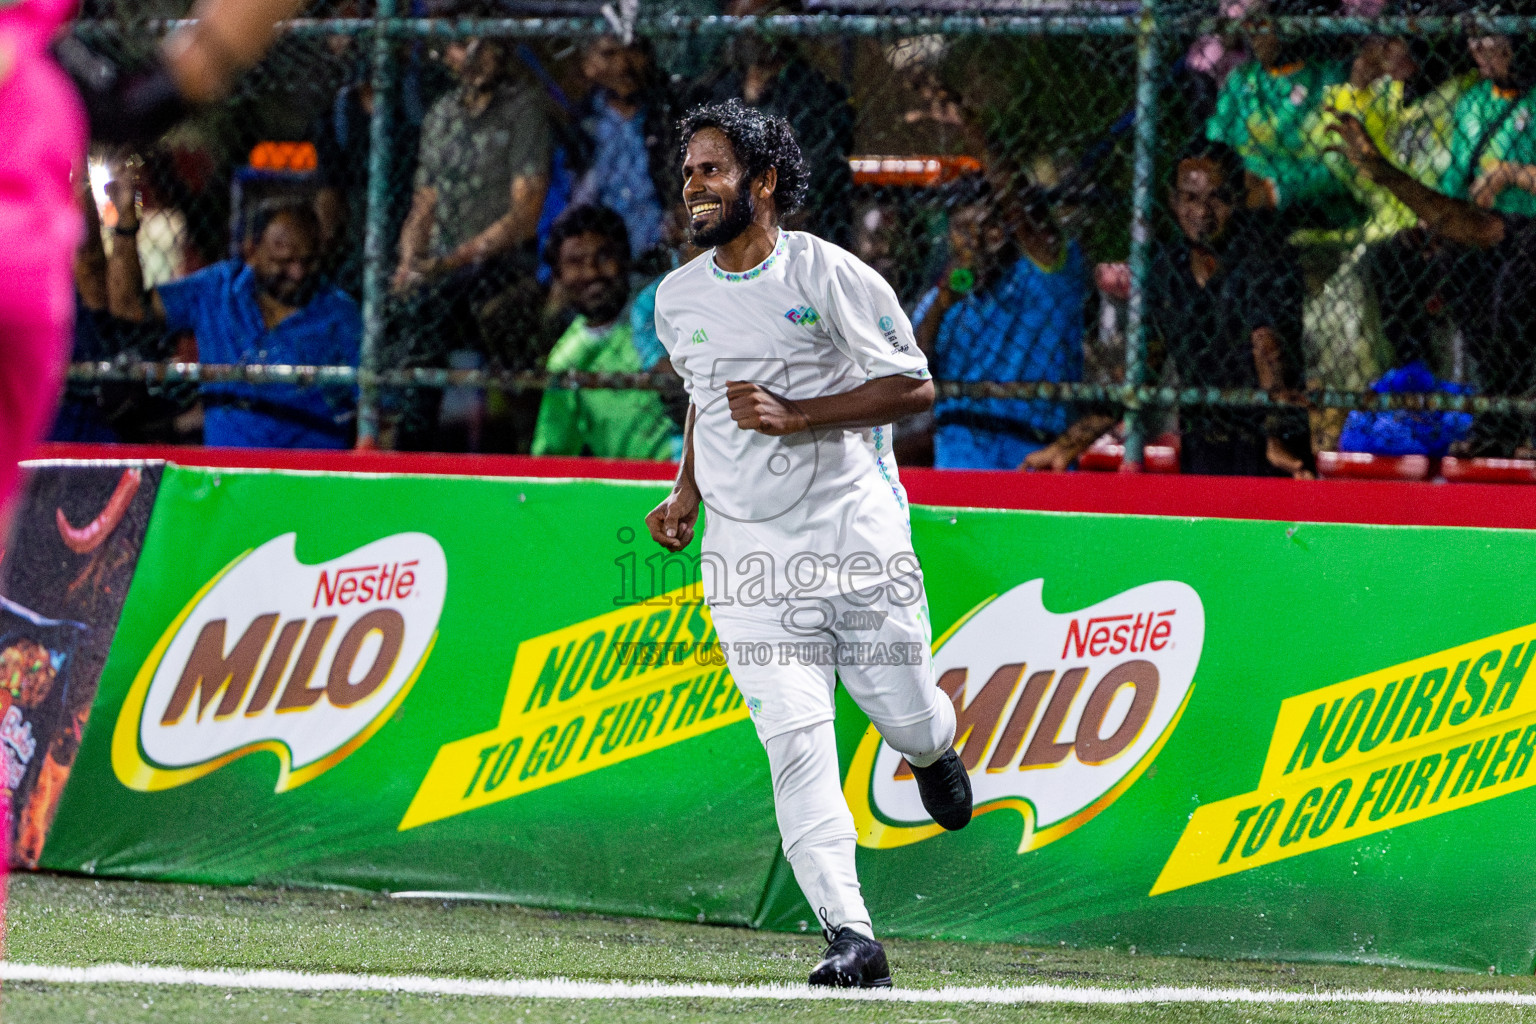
1250	232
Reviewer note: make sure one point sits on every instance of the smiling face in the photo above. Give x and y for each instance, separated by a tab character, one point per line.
592	272
721	201
1198	202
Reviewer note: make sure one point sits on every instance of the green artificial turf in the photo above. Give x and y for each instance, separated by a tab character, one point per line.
80	922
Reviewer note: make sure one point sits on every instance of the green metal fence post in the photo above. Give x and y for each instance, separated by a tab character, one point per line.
1147	66
375	242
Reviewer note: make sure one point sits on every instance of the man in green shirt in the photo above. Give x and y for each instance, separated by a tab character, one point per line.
1263	112
1492	144
588	249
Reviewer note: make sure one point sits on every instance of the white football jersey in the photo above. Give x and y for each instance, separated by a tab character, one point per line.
810	320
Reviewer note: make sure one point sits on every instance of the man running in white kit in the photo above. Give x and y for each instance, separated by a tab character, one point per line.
797	358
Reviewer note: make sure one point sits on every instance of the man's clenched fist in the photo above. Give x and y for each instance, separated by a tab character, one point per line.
756	408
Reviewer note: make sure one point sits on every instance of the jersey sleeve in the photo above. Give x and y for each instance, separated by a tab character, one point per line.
666	335
867	323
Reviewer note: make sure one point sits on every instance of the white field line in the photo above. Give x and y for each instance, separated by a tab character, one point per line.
564	988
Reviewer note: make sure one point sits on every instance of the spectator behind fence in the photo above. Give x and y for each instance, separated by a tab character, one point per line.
481	176
629	121
82	414
1378	291
1493	140
1008	307
1223	306
341	137
1383	91
1262	111
1487	260
588	248
772	74
272	307
1345	345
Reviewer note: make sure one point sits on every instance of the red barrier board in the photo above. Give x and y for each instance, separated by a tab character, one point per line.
1391	502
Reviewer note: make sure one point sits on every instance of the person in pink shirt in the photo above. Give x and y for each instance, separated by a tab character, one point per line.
44	124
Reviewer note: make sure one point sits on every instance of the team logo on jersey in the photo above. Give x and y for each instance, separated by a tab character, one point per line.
699	337
887	325
304	661
1056	715
805	316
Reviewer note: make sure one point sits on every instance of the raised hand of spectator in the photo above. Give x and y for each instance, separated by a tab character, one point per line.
412	275
1114	280
406	279
1356	145
122	193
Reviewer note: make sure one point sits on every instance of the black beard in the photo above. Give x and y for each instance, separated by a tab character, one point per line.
606	309
296	297
734	219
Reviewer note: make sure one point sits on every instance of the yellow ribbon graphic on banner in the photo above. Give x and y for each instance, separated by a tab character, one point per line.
586	697
1399	745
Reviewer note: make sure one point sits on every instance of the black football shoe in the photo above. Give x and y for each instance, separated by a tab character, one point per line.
945	787
852	961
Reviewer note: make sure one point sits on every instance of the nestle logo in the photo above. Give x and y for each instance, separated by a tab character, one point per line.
1118	634
364	583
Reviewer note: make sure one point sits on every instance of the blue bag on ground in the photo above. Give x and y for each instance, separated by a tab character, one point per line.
1407	433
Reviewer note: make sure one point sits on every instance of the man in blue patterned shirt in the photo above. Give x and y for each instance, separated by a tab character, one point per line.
628	121
1008	308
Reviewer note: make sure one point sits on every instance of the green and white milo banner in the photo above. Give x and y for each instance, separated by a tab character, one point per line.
1193	736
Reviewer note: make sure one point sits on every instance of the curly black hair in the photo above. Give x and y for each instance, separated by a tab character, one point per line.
587	218
760	140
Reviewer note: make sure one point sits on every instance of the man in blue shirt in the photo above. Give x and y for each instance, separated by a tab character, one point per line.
1009	308
273	307
628	120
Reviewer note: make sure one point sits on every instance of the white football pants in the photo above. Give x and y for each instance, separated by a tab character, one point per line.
791	700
